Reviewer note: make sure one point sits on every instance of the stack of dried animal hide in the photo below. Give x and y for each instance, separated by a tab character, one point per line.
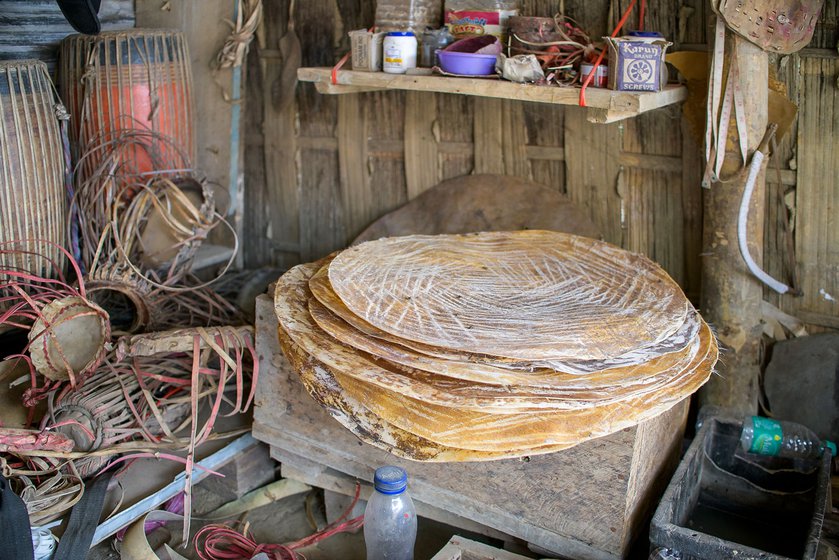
492	345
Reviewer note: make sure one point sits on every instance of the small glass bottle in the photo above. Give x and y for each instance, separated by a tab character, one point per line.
766	436
390	521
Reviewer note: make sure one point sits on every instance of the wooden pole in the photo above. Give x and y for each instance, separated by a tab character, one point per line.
731	296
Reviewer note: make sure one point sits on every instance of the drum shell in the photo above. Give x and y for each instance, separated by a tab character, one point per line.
33	201
138	80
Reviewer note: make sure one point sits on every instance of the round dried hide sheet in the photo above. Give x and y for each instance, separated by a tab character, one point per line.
369	428
527	295
69	338
490	432
291	307
556	390
325	295
601	386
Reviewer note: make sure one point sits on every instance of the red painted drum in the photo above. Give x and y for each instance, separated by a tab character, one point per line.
130	96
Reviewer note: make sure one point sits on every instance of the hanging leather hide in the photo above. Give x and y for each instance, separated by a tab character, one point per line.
780	26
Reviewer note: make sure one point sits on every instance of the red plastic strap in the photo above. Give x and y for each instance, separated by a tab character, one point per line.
343	61
597	62
338	67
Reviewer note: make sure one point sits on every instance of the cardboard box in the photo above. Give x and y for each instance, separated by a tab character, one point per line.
366	50
637	64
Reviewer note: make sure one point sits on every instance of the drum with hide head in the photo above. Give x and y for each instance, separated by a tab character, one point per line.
32	196
130	96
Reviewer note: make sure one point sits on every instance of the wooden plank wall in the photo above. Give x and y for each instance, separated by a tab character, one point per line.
318	173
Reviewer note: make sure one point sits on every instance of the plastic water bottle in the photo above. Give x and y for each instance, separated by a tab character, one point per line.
390	521
766	436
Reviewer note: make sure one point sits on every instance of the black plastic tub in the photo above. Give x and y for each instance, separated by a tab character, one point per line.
723	503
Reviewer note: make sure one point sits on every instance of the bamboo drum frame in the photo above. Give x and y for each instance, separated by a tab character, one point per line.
32	199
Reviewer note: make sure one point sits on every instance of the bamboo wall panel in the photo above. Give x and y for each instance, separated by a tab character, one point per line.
592	168
827	30
256	214
387	113
455	115
692	168
422	169
817	192
654	218
545	126
658	194
514	139
357	192
489	135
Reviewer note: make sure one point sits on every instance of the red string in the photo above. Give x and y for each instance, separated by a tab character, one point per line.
597	62
221	542
343	61
338	67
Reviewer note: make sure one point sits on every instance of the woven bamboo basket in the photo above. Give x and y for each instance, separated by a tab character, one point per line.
32	197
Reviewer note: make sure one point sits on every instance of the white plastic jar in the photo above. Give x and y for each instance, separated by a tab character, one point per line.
400	52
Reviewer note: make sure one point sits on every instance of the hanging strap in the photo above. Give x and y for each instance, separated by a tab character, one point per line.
722	104
15	534
84	518
714	97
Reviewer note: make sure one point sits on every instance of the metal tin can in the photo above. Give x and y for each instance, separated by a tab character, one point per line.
400	52
601	75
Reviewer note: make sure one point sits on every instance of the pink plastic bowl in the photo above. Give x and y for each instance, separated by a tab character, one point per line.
467	64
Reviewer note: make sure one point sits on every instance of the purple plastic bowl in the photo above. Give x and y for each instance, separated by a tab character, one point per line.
467	64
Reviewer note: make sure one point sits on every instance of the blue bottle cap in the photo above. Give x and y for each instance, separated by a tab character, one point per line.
400	34
832	446
647	34
390	480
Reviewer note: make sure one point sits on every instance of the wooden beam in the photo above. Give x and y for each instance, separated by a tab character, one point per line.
731	296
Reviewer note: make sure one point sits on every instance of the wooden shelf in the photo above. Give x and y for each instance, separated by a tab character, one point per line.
603	105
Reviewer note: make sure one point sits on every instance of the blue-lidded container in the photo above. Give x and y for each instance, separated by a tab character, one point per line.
646	34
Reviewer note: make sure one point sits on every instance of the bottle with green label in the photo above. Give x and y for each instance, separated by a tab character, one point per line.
779	438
